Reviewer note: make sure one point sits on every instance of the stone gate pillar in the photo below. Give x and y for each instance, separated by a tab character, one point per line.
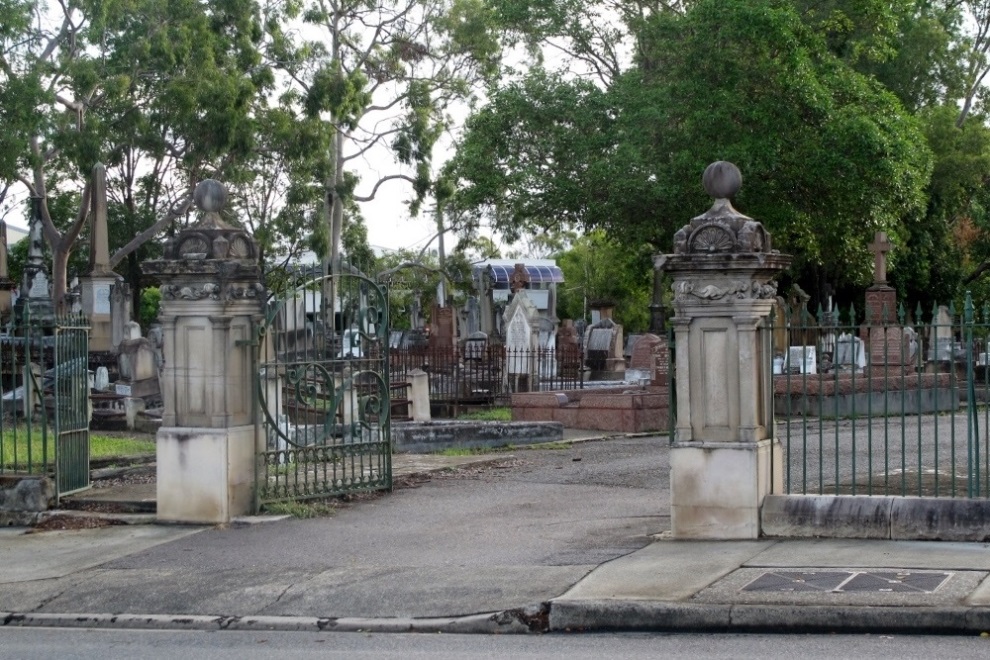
724	457
212	298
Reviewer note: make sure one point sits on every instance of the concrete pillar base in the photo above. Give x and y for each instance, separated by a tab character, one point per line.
717	488
205	475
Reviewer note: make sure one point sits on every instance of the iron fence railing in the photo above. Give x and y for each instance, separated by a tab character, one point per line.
892	406
487	375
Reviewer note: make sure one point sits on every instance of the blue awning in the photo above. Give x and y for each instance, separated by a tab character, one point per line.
536	273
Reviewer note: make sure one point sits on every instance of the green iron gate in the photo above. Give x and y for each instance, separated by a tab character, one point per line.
70	400
323	391
44	413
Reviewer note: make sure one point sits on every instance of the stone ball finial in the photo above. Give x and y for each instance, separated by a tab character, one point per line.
722	179
210	196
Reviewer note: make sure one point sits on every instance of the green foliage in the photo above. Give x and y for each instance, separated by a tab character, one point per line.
597	268
488	415
829	157
151	299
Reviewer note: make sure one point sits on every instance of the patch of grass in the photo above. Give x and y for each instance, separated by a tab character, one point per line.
469	451
489	415
476	451
101	446
23	452
547	445
314	509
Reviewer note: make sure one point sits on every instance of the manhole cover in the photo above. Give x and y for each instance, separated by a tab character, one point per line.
807	581
924	583
849	581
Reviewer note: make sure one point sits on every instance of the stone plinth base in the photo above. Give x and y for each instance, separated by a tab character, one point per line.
717	488
205	475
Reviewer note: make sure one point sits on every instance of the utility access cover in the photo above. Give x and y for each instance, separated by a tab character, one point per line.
849	581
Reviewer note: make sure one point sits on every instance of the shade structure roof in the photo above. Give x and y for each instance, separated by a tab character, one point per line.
536	273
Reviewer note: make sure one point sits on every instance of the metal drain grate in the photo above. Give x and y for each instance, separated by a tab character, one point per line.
849	581
902	582
808	581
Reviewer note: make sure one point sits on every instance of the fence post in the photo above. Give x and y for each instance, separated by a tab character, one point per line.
724	457
212	300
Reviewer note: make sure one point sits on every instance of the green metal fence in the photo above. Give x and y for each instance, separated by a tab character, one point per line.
44	412
323	391
895	406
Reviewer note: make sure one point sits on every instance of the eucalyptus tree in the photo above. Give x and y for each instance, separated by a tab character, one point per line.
159	91
383	75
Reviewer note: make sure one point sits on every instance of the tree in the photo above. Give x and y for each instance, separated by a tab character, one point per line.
828	155
380	75
596	268
121	81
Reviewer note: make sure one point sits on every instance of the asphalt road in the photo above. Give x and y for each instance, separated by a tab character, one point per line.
149	645
512	534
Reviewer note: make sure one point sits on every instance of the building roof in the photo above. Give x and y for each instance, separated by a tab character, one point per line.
537	273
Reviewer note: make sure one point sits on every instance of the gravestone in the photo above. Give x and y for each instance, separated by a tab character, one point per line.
137	365
568	350
885	338
472	318
521	340
651	359
120	312
34	295
850	353
603	346
7	285
96	285
291	332
443	328
476	346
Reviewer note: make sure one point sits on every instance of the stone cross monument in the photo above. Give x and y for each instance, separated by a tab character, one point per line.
212	298
881	299
725	457
99	279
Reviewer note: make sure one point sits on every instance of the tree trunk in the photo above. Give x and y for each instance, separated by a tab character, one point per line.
60	269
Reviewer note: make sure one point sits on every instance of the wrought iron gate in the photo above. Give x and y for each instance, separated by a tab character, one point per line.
323	391
44	413
70	400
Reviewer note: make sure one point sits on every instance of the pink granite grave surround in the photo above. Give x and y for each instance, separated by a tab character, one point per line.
875	380
622	410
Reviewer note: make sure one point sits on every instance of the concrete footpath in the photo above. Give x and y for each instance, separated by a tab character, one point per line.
554	541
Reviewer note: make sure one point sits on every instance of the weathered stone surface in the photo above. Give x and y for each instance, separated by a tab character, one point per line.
850	517
933	519
425	437
26	494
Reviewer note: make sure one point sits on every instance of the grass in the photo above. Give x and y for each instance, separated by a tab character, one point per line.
477	451
311	509
488	415
16	447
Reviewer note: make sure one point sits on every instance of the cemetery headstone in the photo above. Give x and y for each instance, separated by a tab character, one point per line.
7	285
521	341
443	328
651	359
137	364
34	294
603	346
886	341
